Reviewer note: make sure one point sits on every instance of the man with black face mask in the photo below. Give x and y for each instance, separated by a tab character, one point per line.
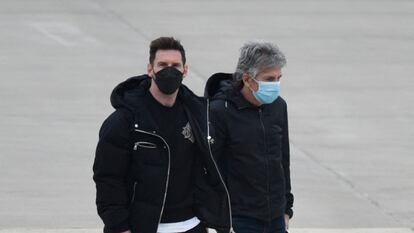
153	168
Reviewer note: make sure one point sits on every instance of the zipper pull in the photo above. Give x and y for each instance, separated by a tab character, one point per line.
210	140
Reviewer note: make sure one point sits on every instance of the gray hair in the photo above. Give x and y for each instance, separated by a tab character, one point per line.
255	57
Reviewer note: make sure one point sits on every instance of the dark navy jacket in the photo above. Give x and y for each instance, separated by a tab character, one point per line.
251	146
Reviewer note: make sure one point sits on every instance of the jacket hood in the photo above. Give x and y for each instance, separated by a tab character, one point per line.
126	93
218	85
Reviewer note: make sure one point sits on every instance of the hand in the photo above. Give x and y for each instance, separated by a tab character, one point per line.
287	221
128	231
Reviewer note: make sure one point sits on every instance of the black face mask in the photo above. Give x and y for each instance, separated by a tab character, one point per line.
168	80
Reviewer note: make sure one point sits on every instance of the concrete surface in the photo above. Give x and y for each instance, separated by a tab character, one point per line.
295	230
348	84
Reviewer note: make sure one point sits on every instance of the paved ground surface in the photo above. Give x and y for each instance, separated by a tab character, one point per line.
295	230
348	84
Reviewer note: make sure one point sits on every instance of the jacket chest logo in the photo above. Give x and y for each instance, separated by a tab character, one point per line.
188	133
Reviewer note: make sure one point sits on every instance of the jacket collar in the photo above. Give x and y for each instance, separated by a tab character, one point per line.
129	93
238	99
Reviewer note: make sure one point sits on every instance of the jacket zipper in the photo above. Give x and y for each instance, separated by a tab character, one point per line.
266	163
168	170
209	139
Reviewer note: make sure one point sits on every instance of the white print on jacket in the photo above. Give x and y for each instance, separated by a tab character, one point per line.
188	133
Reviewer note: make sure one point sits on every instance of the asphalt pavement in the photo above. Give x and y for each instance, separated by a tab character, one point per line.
348	83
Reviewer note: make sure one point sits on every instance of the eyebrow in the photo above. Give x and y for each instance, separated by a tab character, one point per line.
161	63
273	77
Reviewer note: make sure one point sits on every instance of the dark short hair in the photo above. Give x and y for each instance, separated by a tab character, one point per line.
165	43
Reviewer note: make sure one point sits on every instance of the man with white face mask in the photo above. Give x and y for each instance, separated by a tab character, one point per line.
250	139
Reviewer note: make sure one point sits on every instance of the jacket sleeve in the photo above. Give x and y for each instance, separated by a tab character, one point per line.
110	169
286	164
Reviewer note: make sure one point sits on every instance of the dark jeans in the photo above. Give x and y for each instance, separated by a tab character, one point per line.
251	225
198	229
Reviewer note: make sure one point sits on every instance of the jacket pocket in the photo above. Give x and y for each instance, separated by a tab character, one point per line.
276	129
144	144
148	152
133	193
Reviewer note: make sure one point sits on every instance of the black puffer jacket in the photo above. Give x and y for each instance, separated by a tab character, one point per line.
131	183
252	150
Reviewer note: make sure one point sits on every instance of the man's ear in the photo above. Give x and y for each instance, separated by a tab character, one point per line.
245	79
150	70
185	72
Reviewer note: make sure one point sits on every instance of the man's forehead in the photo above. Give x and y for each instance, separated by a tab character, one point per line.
271	71
168	55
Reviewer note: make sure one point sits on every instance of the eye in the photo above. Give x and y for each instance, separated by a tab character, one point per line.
273	78
177	65
162	64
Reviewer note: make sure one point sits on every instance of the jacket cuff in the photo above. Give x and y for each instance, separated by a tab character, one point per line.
121	227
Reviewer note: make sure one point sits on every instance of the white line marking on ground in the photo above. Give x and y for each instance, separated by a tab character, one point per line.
46	30
65	34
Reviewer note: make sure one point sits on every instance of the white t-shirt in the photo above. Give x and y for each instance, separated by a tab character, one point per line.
178	226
